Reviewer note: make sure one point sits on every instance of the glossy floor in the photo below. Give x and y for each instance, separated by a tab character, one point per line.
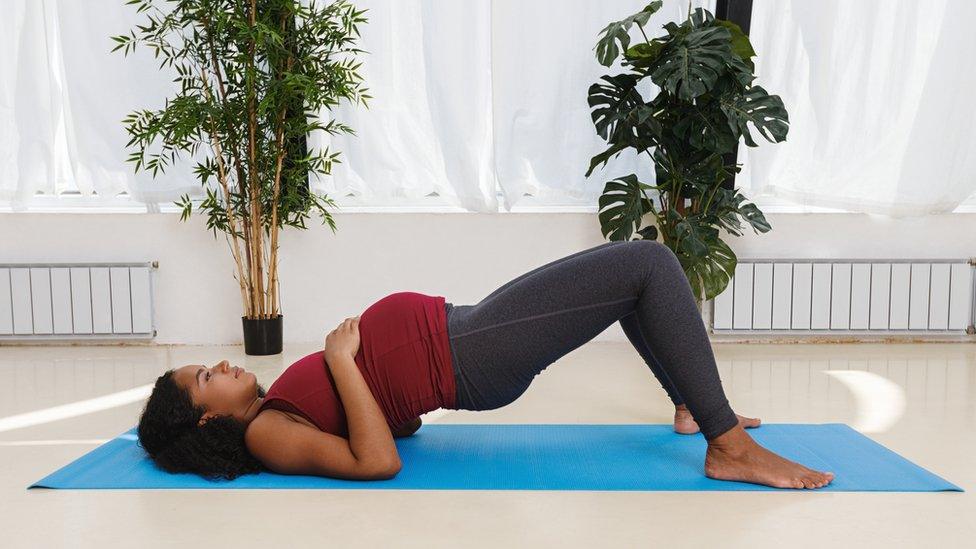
919	400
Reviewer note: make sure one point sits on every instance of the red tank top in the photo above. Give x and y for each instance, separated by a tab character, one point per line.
404	356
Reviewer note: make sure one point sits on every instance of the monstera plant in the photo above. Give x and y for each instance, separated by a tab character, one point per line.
704	73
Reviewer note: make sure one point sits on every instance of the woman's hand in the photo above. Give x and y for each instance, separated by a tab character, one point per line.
344	340
407	428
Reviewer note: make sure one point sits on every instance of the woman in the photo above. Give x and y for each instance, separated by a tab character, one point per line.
336	412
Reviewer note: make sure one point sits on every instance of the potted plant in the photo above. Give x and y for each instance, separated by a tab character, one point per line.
254	78
704	71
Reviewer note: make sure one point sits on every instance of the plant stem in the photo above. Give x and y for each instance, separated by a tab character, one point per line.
273	267
257	237
235	145
641	27
710	196
222	178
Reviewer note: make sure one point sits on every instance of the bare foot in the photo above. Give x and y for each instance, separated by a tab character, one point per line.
686	425
733	455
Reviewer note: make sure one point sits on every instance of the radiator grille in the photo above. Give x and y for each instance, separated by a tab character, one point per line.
856	296
76	301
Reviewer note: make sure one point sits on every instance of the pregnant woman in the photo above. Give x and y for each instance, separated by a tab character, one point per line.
336	412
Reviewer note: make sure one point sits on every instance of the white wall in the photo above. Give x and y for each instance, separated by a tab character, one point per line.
461	256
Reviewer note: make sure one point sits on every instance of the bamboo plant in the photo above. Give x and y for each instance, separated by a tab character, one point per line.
256	77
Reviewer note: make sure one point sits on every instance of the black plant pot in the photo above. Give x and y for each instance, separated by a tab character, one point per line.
262	336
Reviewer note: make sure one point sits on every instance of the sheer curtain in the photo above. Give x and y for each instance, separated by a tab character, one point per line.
61	111
100	88
428	126
474	97
880	100
29	112
469	98
483	95
543	64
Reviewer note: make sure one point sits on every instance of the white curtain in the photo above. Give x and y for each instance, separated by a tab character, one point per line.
61	112
468	98
880	101
428	126
483	95
29	111
542	67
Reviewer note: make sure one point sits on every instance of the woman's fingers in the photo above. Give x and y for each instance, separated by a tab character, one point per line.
349	322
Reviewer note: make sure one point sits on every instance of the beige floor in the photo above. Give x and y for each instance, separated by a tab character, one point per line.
928	415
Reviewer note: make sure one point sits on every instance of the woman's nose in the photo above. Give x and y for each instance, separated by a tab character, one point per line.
223	365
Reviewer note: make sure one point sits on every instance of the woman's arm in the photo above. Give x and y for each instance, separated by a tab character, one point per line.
370	438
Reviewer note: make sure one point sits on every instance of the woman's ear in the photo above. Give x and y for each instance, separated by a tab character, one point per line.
207	416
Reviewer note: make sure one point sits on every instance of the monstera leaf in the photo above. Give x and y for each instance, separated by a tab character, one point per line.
618	32
696	174
727	209
606	155
644	55
710	276
741	46
648	233
700	17
754	216
621	117
690	67
622	205
619	109
706	127
708	262
766	112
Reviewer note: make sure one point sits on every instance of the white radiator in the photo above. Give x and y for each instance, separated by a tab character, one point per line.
76	301
784	296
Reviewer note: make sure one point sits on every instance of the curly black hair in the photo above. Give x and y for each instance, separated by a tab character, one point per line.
170	434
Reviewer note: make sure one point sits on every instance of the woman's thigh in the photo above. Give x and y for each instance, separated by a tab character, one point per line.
504	341
550	264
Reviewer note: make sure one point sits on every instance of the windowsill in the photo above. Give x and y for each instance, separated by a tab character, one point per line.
528	204
123	205
781	206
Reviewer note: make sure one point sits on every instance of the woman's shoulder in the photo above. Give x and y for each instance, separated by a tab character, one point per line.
272	416
265	424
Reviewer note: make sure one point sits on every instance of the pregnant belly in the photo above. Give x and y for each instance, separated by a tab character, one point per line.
395	320
396	354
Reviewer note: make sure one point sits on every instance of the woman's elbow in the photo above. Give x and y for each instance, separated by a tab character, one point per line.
388	473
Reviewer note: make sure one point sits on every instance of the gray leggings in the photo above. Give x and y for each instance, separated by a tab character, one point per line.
500	344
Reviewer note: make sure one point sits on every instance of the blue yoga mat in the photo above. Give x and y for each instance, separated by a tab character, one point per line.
545	457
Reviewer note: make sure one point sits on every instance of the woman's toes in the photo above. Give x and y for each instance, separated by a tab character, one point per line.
748	422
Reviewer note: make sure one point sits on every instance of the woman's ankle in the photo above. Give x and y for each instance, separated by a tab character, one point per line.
733	441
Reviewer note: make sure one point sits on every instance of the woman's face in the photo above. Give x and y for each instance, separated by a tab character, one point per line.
222	389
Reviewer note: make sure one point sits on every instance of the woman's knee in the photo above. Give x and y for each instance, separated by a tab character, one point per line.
659	258
655	250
